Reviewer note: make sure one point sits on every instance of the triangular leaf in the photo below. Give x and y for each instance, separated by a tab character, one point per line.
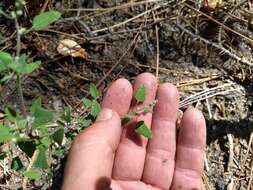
66	116
84	122
95	108
86	102
33	174
5	134
43	20
58	135
41	161
41	116
5	60
27	147
94	91
140	95
20	65
16	164
11	114
142	129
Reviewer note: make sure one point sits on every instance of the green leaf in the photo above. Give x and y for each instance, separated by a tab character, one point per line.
66	116
46	141
84	122
44	130
58	135
22	124
147	110
95	108
33	174
142	129
6	78
16	164
140	95
128	117
27	147
5	60
5	134
41	161
86	103
43	20
20	65
41	116
11	114
94	91
36	103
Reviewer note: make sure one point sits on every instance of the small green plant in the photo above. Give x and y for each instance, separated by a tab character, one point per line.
16	66
141	127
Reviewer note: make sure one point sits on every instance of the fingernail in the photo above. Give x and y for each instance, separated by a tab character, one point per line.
104	114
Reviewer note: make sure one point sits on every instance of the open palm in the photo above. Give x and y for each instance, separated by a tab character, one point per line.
108	156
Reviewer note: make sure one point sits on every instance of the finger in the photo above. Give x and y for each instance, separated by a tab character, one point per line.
130	156
190	151
160	158
92	154
118	97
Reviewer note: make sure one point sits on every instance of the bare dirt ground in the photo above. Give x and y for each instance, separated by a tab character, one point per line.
203	47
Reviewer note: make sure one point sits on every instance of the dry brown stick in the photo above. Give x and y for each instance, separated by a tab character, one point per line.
157	46
231	152
251	178
44	6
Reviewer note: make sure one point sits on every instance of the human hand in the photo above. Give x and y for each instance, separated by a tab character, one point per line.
108	156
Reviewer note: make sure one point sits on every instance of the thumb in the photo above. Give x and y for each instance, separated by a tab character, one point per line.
90	161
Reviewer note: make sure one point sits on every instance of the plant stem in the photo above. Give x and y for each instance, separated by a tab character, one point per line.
19	77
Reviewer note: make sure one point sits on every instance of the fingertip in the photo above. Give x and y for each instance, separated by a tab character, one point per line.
148	78
193	128
170	90
118	96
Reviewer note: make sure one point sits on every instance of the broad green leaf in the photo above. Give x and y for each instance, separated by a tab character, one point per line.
5	134
41	161
58	135
41	116
16	164
27	147
86	103
142	129
11	114
95	108
128	117
66	116
46	141
35	104
32	67
140	95
22	124
5	60
84	122
43	20
44	130
33	174
94	91
20	65
6	78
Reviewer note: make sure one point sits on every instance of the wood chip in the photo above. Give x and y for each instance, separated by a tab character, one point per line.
71	48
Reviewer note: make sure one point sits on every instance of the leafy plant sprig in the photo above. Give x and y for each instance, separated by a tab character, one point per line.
18	65
141	127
